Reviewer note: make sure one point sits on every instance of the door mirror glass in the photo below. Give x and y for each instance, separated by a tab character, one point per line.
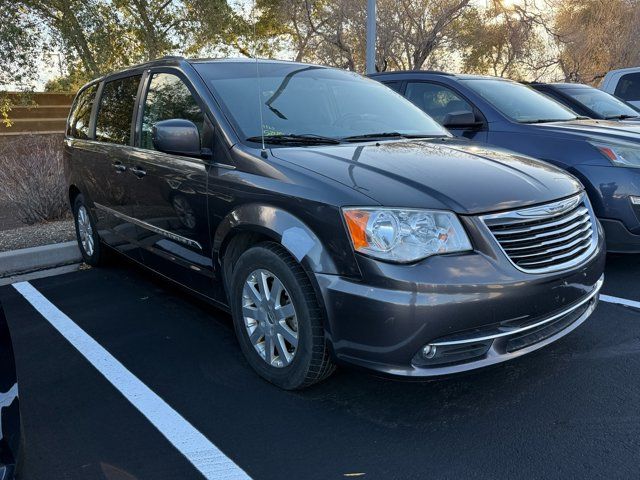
459	119
177	136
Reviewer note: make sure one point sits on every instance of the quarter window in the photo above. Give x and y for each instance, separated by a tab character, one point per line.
436	100
395	86
168	98
81	113
116	110
629	87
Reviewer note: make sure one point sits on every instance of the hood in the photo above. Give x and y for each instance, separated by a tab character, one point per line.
441	174
594	129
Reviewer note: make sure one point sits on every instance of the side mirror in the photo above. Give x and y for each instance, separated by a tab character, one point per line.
177	136
460	119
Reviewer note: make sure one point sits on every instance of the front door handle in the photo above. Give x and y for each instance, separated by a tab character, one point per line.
138	172
120	167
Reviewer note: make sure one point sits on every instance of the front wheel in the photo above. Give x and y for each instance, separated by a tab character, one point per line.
91	249
277	318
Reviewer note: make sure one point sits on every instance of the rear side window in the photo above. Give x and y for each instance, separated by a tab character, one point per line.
116	110
81	113
168	98
436	100
628	87
394	85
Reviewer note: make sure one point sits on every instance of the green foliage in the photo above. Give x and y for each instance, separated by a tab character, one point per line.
18	46
522	39
19	54
99	36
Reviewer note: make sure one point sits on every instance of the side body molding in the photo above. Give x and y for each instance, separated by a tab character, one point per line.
281	226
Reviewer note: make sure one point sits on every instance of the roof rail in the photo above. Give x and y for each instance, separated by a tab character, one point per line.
433	72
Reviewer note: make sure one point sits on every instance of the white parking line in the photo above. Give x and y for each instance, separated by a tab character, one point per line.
620	301
203	454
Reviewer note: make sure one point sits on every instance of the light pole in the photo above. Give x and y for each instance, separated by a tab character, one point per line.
371	36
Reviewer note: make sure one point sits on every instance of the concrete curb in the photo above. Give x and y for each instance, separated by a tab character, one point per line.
37	258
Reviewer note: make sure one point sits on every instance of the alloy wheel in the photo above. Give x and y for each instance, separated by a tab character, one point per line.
85	231
270	318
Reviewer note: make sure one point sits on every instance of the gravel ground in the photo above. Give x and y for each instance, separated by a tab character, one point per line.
36	235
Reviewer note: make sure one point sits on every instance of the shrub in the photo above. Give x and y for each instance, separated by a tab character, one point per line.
32	177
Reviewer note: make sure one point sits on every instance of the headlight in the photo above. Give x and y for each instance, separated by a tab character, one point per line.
404	235
620	154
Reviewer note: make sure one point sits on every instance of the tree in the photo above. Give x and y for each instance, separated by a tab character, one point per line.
156	25
597	36
91	36
506	41
418	28
331	32
290	20
98	36
19	53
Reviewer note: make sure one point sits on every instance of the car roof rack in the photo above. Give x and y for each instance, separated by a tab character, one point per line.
431	72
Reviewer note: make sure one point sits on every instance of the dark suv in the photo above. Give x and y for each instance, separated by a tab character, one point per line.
604	155
589	101
334	219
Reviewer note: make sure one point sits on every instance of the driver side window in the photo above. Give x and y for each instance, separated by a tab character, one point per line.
168	98
436	100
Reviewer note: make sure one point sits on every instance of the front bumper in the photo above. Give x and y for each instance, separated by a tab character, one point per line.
619	238
484	347
610	190
384	324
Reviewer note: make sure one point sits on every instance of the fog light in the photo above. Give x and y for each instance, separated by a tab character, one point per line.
635	200
429	351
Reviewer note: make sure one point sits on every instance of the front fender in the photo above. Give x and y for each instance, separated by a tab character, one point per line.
283	227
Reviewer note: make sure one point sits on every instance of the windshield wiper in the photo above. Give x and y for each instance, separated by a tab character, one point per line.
294	138
549	120
624	116
369	136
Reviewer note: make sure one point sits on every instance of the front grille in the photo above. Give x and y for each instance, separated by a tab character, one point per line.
550	237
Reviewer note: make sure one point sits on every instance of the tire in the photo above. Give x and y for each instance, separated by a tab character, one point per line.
301	365
91	248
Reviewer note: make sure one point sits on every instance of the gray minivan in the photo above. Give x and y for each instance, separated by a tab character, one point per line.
336	221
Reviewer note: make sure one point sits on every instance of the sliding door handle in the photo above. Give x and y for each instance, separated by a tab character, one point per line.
120	167
138	172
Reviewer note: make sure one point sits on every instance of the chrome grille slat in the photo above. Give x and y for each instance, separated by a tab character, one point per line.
527	221
583	212
556	249
546	238
552	259
543	244
585	221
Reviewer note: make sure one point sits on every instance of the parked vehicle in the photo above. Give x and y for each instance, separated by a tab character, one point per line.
588	101
361	232
624	84
603	155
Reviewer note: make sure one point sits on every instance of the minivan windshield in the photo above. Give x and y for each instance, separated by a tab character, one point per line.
604	104
519	102
316	104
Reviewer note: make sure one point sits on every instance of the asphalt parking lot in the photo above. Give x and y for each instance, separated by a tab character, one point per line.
570	410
